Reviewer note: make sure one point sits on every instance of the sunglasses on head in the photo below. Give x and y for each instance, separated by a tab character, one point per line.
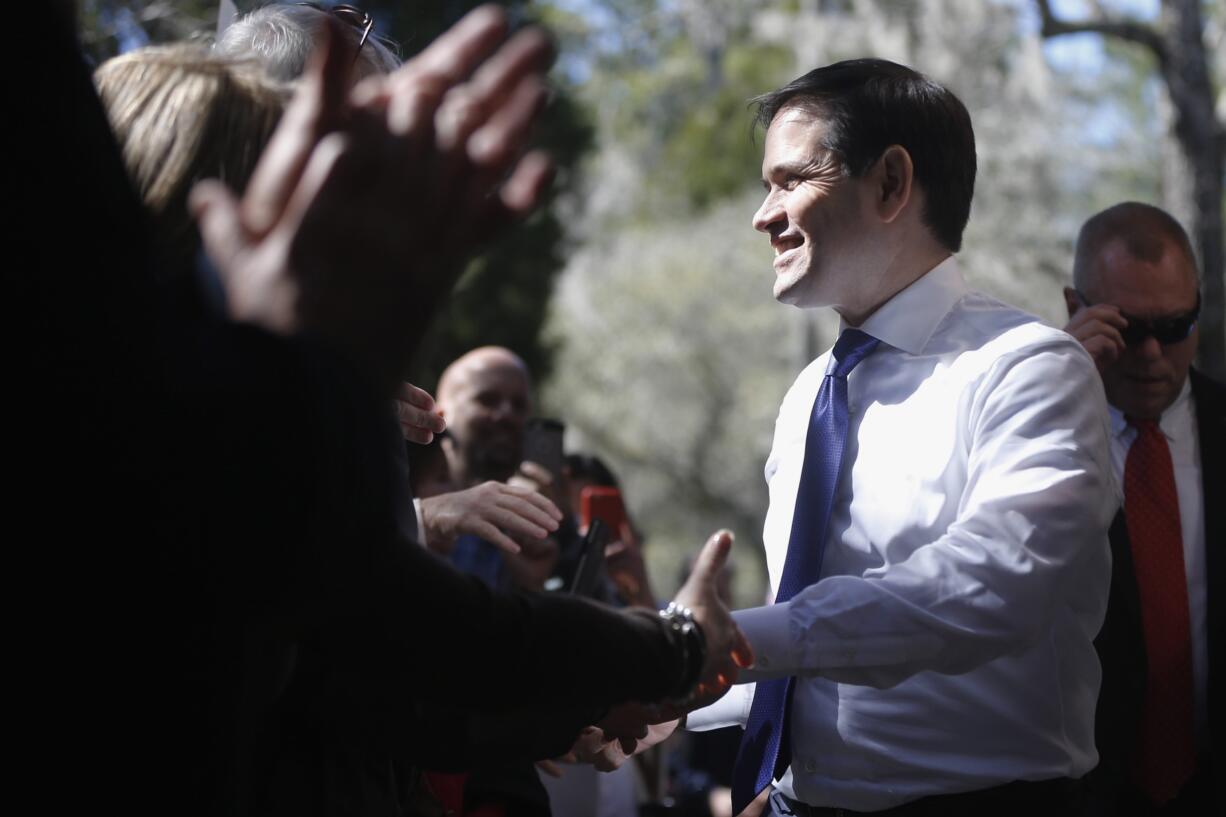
1166	331
350	15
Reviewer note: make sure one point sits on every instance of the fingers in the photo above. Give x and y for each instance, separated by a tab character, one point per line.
502	137
536	473
506	89
524	190
221	231
499	102
415	397
457	52
1104	350
550	768
491	534
414	433
318	106
330	169
516	526
1098	329
530	506
742	652
712	558
1105	313
419	419
537	499
528	52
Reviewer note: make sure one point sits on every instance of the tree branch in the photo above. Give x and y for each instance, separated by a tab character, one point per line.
1127	30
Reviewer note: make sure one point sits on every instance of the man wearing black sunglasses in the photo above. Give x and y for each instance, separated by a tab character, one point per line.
1134	307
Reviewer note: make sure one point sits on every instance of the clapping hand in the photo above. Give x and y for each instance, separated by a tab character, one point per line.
367	201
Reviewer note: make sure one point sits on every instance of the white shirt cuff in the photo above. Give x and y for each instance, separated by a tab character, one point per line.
730	710
421	524
767	629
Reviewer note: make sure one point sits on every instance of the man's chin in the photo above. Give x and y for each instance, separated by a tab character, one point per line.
787	291
795	293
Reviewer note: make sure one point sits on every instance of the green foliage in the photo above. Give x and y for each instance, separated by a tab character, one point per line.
109	26
711	154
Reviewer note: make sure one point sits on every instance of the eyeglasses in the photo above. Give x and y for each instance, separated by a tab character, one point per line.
1166	331
350	15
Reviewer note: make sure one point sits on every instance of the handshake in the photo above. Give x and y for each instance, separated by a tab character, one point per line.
631	728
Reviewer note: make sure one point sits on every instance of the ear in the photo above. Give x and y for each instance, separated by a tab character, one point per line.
894	176
1071	302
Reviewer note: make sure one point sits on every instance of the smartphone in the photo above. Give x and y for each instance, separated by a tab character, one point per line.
590	566
543	444
605	504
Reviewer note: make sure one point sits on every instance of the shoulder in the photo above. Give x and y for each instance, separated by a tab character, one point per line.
1207	390
995	338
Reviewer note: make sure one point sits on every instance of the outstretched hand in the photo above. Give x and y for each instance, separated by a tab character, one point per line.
503	515
631	728
728	650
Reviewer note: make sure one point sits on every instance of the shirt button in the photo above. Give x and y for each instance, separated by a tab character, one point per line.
762	661
810	765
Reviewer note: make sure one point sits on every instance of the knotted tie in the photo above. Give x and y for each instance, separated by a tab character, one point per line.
764	747
1166	749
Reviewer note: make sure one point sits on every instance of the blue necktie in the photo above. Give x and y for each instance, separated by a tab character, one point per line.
765	751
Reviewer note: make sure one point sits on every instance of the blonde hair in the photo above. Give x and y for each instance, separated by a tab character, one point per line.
182	114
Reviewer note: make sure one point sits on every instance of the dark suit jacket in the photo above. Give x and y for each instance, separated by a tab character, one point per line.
1120	644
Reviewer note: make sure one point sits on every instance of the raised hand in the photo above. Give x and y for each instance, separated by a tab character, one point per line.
366	204
1097	329
727	649
503	515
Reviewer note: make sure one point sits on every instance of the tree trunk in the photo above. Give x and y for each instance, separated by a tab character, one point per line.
1201	136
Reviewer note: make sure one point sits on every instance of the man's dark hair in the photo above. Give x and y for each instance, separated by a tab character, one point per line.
869	105
1145	230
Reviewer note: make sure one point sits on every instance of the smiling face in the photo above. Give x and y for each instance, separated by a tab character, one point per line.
816	215
486	397
1148	376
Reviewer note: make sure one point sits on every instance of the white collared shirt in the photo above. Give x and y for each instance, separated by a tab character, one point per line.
1178	424
948	646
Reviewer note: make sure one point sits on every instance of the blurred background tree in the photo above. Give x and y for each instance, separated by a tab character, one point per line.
660	344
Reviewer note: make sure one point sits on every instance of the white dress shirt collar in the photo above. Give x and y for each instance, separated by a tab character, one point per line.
910	318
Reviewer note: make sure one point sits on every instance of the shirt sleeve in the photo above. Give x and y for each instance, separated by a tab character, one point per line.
730	710
1029	536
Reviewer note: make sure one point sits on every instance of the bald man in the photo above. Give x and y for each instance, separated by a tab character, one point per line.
1133	305
486	396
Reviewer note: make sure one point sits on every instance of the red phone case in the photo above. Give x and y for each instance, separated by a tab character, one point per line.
605	504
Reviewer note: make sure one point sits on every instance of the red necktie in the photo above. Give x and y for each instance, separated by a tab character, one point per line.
1166	754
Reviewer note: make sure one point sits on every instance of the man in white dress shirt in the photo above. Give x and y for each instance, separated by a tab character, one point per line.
1134	305
941	659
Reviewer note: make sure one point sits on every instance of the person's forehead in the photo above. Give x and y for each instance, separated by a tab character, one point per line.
501	376
794	129
1163	286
